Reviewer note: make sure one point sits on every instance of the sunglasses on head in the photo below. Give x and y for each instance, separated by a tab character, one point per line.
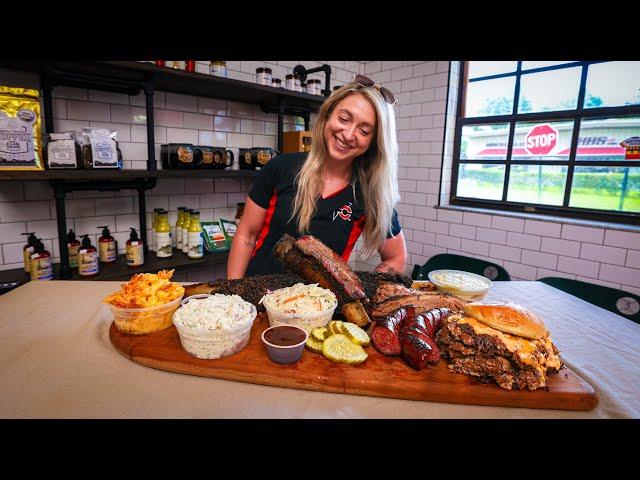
364	81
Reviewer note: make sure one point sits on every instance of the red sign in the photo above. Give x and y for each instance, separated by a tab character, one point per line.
541	139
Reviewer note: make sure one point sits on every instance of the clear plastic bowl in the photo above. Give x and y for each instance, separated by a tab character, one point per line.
306	321
139	321
210	344
459	289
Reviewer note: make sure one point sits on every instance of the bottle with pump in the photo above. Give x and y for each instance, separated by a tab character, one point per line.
178	228
185	230
163	236
87	258
107	249
41	268
28	250
135	250
73	245
196	243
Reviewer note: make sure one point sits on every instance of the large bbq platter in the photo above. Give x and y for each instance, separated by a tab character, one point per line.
378	376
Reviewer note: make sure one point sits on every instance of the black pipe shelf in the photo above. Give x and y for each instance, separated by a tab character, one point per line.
119	270
106	175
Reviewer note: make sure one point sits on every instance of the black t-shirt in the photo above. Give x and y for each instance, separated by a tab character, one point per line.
338	221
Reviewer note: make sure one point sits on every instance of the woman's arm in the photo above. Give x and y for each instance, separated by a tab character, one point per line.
393	254
245	239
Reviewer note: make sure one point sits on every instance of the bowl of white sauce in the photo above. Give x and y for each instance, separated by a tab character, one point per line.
465	285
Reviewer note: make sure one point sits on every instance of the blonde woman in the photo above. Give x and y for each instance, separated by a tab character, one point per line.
346	185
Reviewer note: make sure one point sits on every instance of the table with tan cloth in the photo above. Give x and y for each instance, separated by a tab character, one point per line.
56	361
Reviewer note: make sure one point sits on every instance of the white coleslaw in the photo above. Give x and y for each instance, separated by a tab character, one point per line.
300	298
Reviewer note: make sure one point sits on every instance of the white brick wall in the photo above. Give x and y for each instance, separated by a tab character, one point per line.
527	248
178	118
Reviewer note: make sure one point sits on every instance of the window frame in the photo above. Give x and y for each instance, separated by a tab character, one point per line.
576	115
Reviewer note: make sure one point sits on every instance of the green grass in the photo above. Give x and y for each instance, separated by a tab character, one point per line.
554	196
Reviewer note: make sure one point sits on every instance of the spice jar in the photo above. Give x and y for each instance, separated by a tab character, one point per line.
289	83
297	86
310	87
190	65
276	82
218	68
263	76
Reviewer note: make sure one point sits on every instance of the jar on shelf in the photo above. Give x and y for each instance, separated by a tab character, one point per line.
159	63
310	87
297	86
218	68
289	82
190	65
276	82
263	76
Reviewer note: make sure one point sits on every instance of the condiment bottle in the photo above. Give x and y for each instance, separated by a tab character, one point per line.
159	63
154	224
41	268
185	230
190	65
219	68
135	250
289	82
178	227
163	235
73	245
28	250
88	258
196	243
107	246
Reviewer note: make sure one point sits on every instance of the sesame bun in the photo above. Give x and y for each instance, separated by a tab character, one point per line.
508	318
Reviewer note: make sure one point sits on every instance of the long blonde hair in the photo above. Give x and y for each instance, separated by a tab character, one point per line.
376	169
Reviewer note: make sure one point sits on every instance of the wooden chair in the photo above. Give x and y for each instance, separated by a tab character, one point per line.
492	271
622	303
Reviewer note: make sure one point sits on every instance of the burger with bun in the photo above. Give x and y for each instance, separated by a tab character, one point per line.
500	342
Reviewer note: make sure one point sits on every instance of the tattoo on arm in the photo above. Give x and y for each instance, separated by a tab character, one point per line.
384	267
249	243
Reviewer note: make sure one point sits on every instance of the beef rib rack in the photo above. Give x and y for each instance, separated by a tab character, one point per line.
315	262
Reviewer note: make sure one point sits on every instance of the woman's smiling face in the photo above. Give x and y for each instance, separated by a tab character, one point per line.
350	128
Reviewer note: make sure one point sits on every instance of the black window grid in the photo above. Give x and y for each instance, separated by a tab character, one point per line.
576	115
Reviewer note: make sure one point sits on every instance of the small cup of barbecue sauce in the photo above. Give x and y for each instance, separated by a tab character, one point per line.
284	343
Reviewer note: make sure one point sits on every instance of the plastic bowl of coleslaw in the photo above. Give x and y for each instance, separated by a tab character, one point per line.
216	326
304	306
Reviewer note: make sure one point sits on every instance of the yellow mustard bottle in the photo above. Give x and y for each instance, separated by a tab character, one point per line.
196	243
163	236
185	230
179	227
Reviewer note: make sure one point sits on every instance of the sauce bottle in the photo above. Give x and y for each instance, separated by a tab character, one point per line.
185	230
107	246
135	250
73	245
196	243
154	224
178	227
87	258
28	250
41	268
163	236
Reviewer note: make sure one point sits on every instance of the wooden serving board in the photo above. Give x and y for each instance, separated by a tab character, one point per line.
378	376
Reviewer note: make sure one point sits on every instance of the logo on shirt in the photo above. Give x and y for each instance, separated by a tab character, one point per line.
344	212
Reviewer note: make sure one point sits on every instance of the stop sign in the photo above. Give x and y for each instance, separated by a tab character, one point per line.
541	139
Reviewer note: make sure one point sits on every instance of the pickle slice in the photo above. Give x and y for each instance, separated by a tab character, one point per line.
356	334
314	345
338	348
320	333
335	326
